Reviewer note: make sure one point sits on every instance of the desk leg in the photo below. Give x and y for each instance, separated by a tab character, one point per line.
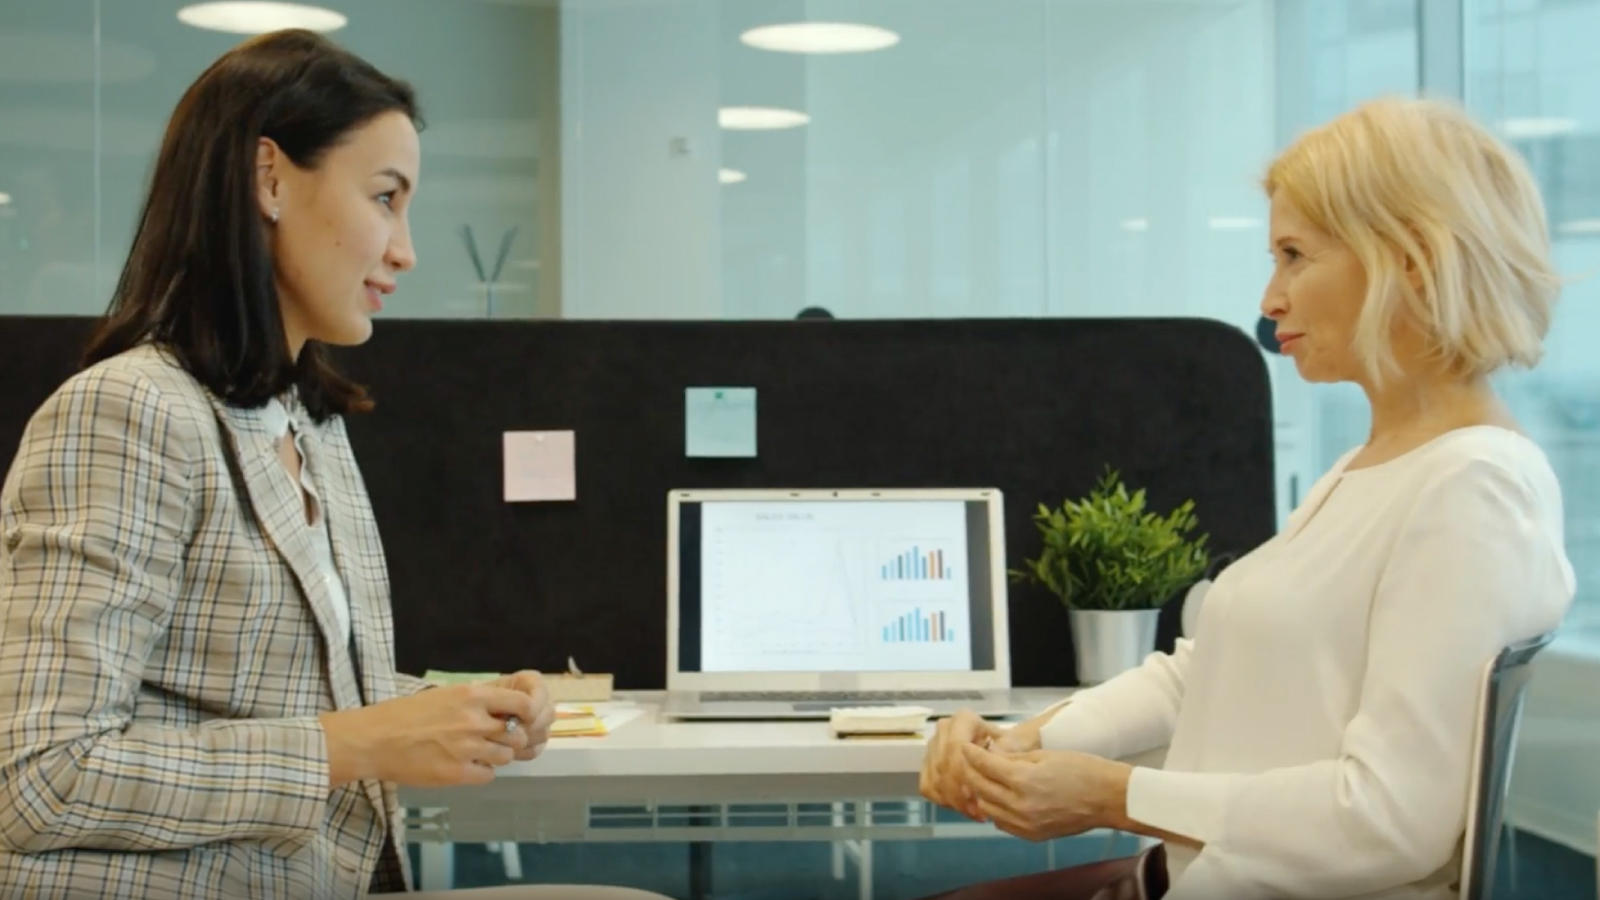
838	846
436	869
436	863
700	870
864	871
864	855
511	860
700	861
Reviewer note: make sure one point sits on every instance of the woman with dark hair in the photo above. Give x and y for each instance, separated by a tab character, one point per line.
197	685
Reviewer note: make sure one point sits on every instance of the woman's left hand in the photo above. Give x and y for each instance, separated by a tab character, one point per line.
1044	794
536	734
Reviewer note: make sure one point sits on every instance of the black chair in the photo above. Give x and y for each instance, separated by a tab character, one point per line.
1505	682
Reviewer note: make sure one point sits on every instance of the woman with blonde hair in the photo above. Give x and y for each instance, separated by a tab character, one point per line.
1319	724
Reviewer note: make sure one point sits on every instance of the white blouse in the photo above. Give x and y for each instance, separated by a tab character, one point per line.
1320	722
281	423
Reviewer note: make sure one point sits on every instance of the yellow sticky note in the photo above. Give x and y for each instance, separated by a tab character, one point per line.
540	466
577	721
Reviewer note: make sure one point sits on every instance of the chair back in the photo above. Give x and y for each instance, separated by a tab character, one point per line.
1505	682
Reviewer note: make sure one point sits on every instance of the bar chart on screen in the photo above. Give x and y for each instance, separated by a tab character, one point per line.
919	627
917	563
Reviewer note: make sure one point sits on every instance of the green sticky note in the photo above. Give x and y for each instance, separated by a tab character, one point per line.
719	422
433	676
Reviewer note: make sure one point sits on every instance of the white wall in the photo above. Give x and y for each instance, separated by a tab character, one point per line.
1161	128
640	211
925	183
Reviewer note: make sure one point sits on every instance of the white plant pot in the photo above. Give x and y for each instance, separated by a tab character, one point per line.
1110	642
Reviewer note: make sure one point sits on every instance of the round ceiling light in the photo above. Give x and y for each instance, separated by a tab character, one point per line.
759	118
820	37
730	176
4	198
259	17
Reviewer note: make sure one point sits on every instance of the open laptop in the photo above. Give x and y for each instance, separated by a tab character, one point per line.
785	604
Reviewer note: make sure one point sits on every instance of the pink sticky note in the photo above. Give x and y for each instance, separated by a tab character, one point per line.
540	466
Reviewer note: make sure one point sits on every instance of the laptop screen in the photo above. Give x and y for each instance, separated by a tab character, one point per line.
879	585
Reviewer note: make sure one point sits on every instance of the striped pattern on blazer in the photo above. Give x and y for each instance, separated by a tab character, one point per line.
166	643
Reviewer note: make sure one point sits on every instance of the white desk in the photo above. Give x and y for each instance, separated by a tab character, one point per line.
664	780
740	757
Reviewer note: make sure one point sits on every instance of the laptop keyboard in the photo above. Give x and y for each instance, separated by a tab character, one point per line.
835	696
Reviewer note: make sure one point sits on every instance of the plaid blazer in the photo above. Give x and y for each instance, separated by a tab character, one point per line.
166	643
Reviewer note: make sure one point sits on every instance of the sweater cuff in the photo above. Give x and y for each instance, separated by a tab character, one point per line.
1080	727
1191	804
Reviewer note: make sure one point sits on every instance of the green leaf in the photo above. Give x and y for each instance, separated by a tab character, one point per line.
1109	551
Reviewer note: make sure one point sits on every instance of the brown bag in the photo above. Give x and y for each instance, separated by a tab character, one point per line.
1142	877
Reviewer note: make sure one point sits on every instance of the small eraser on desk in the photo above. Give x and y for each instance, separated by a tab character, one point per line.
878	720
566	688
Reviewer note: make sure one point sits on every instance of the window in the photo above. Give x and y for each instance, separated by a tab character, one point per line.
1531	73
86	89
1332	55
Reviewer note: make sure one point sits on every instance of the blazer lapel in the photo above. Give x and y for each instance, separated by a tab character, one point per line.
360	564
280	508
350	553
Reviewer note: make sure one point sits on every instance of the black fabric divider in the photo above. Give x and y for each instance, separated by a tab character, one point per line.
1035	407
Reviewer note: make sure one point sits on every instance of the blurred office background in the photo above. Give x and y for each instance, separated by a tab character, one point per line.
942	158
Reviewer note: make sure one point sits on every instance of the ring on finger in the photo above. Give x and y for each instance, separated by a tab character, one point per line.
512	724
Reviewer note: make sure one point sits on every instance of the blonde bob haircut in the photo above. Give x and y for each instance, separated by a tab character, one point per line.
1418	183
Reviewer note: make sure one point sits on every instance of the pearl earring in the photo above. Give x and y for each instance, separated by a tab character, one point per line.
274	216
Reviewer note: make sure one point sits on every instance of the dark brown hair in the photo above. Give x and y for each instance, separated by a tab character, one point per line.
199	279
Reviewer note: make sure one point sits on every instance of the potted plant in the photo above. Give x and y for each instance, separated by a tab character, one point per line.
1114	564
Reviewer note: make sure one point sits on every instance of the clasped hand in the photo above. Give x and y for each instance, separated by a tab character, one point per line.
442	736
535	731
1000	775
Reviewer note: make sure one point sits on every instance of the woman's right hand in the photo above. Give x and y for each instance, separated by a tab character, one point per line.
440	737
944	778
